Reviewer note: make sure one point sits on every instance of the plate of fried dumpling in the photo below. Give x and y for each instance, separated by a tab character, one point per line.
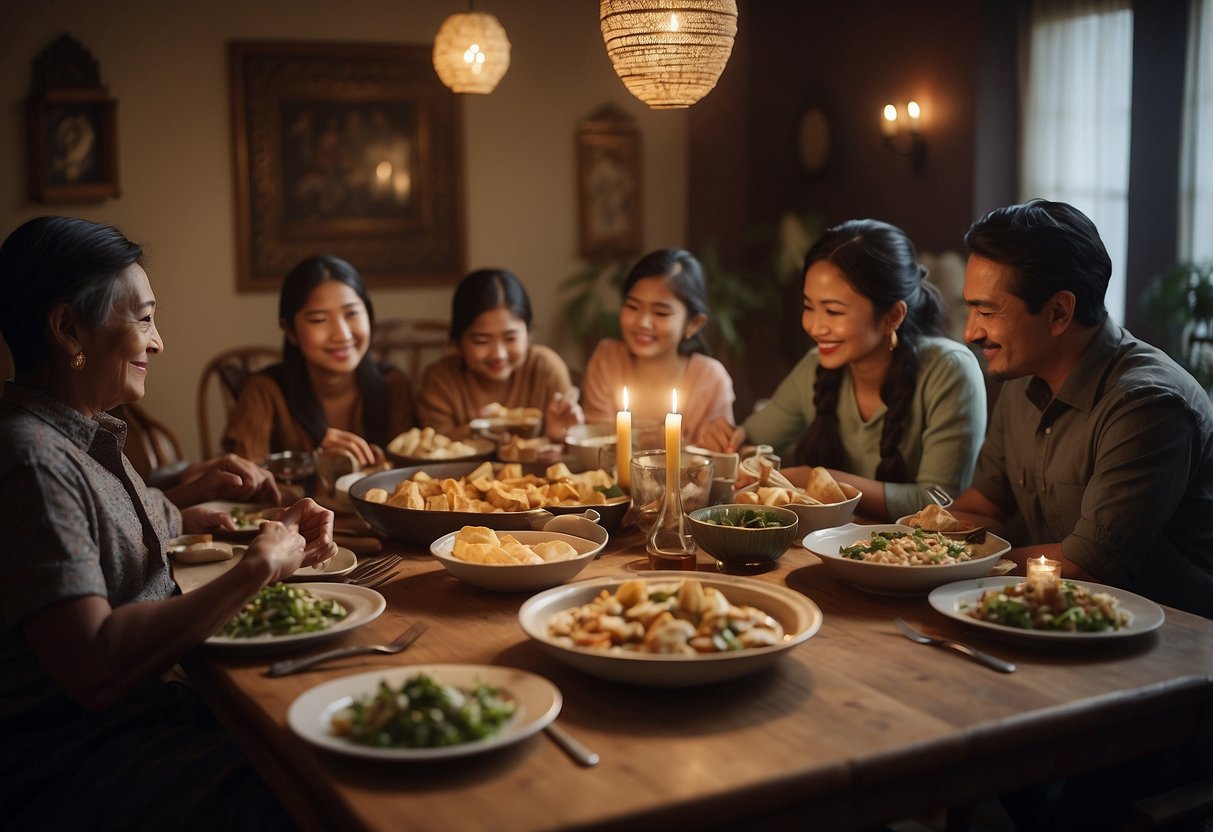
935	518
823	503
421	503
513	561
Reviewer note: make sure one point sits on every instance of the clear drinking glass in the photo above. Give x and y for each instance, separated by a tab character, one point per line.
649	499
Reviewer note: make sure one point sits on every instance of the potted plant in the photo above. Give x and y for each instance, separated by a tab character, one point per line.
1179	302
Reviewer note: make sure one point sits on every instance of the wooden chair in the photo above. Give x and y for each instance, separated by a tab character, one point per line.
222	380
410	344
151	446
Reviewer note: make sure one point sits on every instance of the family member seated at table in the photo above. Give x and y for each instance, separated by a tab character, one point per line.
1098	441
495	362
883	400
664	347
90	737
328	392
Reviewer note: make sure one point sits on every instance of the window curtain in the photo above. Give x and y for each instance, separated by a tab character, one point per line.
1196	159
1077	82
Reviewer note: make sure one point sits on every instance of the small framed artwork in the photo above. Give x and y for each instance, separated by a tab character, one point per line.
609	182
73	146
348	150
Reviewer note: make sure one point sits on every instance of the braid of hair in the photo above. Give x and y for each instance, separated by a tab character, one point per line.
821	443
897	392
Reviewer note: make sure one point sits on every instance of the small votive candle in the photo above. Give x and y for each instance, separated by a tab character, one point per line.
1043	572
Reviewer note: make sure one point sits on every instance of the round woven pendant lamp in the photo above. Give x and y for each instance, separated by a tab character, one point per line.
668	53
471	52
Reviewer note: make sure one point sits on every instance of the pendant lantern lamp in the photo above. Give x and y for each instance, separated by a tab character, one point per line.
668	53
471	52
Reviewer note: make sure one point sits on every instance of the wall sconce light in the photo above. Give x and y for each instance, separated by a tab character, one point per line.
471	52
903	132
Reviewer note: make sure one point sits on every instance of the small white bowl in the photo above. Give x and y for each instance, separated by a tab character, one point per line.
587	441
893	579
520	577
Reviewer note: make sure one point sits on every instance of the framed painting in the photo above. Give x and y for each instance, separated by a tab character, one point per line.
609	184
73	146
348	150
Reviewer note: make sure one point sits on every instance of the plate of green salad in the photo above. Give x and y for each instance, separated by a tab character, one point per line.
1077	611
298	614
425	712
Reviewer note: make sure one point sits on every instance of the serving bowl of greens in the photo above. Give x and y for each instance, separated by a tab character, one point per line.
743	538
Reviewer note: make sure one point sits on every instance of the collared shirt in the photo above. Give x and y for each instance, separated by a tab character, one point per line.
1117	467
79	522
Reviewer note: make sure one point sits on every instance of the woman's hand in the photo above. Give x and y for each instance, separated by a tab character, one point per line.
563	412
280	547
200	520
316	526
343	440
721	436
226	477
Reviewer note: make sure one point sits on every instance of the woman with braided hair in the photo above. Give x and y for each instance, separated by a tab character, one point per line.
883	400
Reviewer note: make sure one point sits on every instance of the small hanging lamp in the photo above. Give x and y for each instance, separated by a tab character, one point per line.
668	53
471	52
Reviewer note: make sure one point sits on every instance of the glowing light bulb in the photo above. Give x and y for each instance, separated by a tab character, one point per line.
673	22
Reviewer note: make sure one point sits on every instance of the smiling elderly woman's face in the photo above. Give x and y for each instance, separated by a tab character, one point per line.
117	352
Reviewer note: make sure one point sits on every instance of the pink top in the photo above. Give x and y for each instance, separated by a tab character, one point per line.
705	391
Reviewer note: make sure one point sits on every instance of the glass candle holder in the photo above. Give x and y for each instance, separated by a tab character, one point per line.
648	485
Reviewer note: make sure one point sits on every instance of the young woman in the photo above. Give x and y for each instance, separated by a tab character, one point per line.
495	362
665	309
327	392
883	400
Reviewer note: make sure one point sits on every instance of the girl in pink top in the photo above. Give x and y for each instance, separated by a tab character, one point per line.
665	309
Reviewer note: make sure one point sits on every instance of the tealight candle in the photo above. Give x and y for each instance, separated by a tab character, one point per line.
623	445
673	444
1043	572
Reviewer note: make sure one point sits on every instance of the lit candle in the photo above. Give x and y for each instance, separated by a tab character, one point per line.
914	116
623	445
1043	572
673	444
888	120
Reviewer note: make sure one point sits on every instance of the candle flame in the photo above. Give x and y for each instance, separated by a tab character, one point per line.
673	22
625	398
674	401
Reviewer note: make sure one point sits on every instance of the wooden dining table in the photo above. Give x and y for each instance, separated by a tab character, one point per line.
852	728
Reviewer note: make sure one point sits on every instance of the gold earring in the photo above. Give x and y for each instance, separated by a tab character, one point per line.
892	340
78	361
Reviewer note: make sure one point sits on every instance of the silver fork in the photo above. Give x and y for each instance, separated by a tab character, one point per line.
399	644
972	652
939	496
370	573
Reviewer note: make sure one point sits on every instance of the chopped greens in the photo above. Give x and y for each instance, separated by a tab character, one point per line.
283	610
424	714
612	492
748	519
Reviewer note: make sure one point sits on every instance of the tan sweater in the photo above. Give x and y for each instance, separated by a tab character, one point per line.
262	423
452	395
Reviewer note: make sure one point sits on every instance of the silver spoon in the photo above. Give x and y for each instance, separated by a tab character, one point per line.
572	746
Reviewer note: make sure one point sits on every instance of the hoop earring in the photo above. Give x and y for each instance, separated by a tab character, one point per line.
78	361
892	340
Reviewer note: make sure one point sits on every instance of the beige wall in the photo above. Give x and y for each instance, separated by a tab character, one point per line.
165	63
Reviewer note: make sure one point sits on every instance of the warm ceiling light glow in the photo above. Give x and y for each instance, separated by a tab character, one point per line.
471	52
668	59
913	110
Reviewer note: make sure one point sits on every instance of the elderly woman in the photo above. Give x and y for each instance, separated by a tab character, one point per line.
90	617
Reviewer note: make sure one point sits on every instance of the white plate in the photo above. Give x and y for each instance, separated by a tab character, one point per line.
361	604
800	618
892	579
537	702
953	599
338	566
519	577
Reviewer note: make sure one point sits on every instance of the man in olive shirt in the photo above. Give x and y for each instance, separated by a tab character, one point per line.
1100	442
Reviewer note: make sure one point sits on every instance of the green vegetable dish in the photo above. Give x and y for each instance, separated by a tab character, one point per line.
424	713
916	548
749	519
282	610
1066	607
